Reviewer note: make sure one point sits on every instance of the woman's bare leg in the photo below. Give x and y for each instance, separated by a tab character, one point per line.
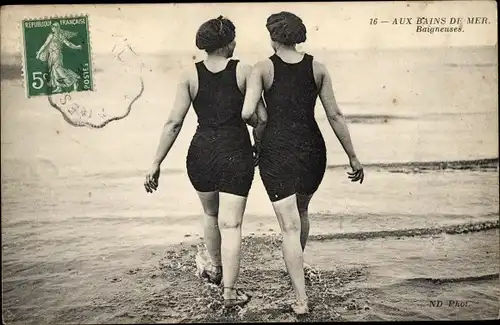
210	203
289	220
231	209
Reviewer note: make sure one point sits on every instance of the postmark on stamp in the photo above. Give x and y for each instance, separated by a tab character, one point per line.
57	56
120	74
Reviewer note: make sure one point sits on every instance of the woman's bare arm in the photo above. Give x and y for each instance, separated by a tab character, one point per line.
173	126
254	107
246	70
338	124
254	110
333	112
259	116
253	94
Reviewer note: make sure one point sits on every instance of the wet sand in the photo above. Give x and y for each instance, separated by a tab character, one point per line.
387	278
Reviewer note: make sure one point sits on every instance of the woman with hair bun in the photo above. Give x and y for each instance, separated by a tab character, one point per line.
220	160
292	150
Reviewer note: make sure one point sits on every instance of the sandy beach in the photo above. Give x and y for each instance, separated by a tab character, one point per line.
83	243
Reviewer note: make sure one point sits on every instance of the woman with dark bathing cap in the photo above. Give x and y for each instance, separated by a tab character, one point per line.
220	162
292	150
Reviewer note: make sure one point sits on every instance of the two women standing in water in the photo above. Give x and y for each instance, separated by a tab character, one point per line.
291	150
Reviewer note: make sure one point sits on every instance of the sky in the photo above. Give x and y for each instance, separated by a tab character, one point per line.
160	28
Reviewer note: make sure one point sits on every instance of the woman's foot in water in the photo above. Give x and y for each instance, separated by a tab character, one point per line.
310	273
235	297
206	270
301	307
213	273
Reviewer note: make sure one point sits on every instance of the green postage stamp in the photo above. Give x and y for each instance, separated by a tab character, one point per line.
57	55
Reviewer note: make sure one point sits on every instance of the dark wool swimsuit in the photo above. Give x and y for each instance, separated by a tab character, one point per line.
293	156
220	156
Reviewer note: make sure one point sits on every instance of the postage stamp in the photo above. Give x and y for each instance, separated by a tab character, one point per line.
57	55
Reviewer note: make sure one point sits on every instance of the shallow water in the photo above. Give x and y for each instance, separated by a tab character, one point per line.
66	210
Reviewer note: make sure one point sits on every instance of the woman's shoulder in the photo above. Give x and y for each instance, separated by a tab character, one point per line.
242	66
320	72
318	67
189	74
313	59
246	68
264	66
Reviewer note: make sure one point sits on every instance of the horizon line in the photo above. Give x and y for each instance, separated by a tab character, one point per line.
408	48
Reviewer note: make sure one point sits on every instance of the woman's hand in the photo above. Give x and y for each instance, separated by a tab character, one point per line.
357	171
151	182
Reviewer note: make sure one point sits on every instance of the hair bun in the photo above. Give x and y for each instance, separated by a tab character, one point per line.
215	34
287	28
